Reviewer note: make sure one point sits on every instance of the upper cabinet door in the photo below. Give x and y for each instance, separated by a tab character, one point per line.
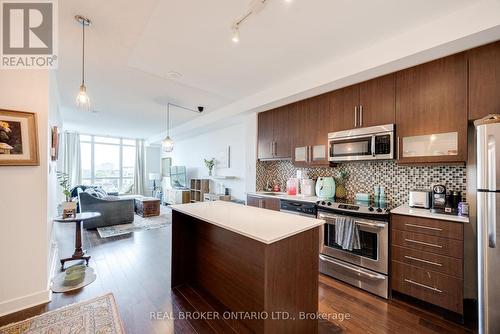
318	127
299	128
282	138
377	100
265	135
431	111
344	105
484	81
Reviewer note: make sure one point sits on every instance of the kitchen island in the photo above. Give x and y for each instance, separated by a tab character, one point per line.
250	260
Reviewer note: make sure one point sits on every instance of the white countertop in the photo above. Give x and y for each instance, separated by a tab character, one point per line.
426	213
263	225
285	196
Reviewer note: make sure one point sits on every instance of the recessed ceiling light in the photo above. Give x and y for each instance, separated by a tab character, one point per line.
174	74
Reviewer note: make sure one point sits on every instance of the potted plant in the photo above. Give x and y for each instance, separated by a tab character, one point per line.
210	165
69	207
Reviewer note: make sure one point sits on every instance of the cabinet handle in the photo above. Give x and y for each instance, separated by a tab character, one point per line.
309	158
423	261
275	148
423	285
361	115
424	227
355	116
423	243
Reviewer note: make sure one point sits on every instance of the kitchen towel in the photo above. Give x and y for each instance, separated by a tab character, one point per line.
347	233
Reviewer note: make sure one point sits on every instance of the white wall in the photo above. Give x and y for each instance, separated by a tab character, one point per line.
153	165
25	203
241	137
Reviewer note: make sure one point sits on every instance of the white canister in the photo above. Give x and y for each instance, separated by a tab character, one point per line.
307	187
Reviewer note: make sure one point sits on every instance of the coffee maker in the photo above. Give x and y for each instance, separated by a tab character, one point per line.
438	199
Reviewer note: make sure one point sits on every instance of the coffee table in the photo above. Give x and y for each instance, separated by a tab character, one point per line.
147	206
79	253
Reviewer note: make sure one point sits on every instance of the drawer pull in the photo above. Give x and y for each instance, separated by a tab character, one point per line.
423	286
423	243
424	261
425	227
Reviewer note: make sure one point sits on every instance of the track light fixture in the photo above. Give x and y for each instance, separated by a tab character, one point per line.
255	7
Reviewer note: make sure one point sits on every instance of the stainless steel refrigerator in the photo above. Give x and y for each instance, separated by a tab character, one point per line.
488	223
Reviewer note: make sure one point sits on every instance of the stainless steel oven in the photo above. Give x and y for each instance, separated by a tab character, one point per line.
371	143
367	267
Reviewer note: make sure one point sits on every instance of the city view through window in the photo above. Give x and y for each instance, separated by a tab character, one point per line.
108	162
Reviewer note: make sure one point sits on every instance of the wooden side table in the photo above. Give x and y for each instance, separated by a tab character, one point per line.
79	253
147	206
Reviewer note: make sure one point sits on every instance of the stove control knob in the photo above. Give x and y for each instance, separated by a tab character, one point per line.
323	203
370	209
379	210
329	203
318	202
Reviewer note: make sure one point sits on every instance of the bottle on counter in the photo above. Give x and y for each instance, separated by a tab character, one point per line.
291	186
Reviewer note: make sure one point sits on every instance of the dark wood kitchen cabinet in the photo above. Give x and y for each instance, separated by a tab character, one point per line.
274	140
377	101
366	104
264	202
343	108
265	134
311	125
431	111
484	81
427	260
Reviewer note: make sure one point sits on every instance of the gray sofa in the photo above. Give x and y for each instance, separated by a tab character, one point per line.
113	210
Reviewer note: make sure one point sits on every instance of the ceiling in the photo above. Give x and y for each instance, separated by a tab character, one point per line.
132	48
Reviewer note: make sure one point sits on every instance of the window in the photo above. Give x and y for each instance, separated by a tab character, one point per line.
108	162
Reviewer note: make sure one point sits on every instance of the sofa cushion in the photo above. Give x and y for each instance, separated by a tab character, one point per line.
101	191
93	192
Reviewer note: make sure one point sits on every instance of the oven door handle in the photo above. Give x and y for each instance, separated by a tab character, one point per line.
359	271
358	222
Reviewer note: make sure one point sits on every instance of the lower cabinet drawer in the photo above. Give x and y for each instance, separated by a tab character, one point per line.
435	288
428	243
443	264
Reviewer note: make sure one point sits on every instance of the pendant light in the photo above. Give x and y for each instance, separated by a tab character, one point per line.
82	99
167	143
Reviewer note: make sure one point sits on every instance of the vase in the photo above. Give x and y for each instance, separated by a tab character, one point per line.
210	172
69	209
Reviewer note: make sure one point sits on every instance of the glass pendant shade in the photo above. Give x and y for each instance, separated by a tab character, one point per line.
167	144
82	99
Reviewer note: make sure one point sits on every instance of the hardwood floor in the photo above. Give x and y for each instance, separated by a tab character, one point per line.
136	268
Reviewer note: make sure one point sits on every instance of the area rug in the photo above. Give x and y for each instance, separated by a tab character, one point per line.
98	315
139	224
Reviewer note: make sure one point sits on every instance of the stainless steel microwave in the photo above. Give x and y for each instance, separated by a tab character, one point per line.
371	143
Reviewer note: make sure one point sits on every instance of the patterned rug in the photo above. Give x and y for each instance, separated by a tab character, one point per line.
139	224
98	315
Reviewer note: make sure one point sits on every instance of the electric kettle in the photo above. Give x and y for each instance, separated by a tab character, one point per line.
325	187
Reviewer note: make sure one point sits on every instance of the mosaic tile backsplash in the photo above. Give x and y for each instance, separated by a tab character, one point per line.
398	180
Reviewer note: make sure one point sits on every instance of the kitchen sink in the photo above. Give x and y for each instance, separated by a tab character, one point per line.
271	194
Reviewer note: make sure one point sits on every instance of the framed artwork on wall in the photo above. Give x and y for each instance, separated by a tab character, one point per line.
223	159
18	138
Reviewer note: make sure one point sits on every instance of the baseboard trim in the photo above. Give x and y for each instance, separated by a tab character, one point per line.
35	299
19	304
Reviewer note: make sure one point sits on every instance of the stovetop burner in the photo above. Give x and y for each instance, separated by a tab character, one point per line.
347	206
